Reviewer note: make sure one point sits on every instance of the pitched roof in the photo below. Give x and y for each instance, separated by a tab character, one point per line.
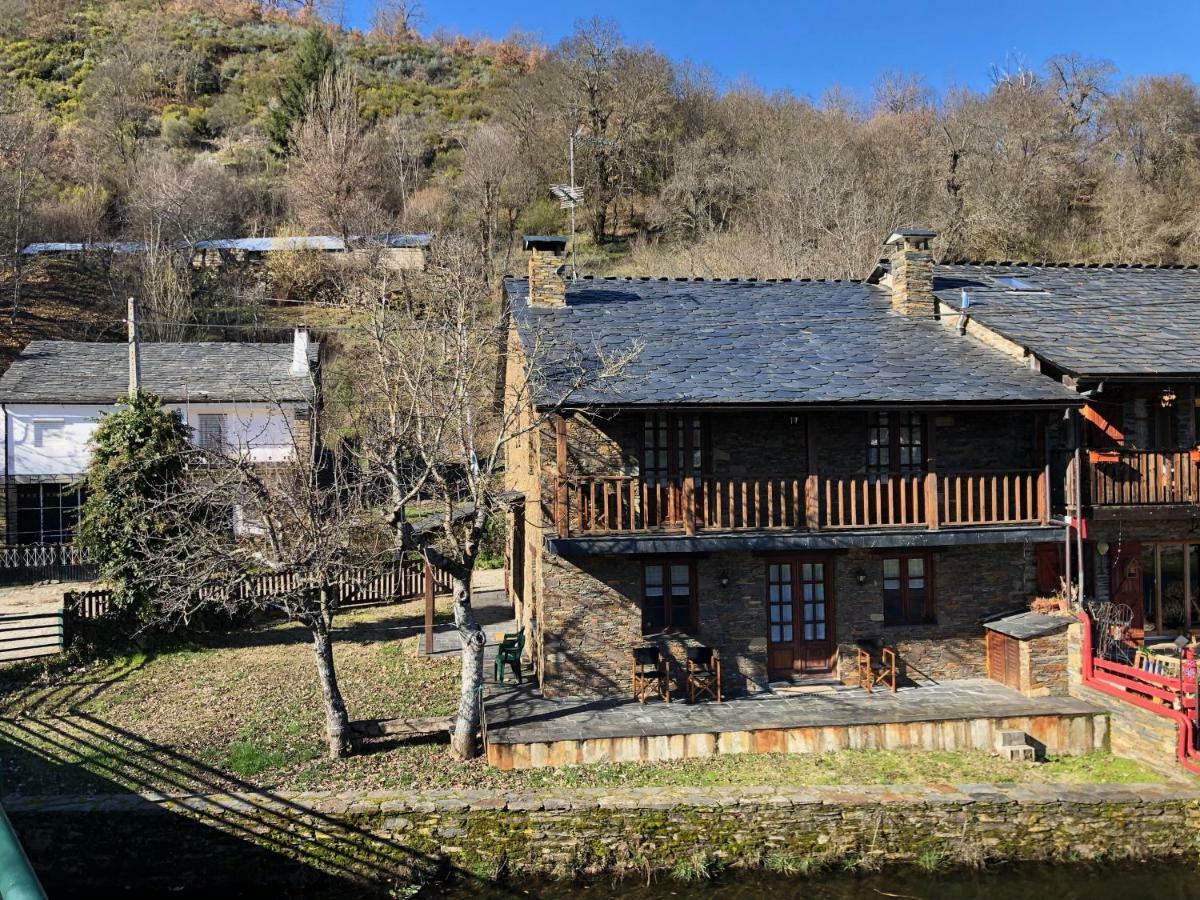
1087	320
80	372
762	342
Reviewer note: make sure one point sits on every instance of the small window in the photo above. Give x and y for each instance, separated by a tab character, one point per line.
48	432
668	597
1012	283
210	432
895	444
907	593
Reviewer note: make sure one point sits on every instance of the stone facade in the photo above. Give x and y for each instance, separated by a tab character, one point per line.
591	615
546	286
584	614
911	277
381	840
1044	665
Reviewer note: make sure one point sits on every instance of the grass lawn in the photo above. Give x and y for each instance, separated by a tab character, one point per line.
242	711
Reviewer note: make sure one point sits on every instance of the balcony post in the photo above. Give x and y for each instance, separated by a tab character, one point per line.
931	477
561	507
689	505
812	483
1042	448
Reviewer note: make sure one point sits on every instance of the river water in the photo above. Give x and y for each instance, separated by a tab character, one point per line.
1128	881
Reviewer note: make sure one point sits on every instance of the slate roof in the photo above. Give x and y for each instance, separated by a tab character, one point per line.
1088	320
1024	626
762	342
80	372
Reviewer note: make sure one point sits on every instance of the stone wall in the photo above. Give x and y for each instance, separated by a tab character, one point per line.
591	615
970	584
1044	665
380	841
1135	733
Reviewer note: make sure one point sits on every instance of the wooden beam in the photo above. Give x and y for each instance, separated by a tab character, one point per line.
812	490
428	609
931	477
561	523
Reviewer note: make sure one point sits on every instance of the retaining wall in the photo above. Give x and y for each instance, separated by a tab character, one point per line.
216	844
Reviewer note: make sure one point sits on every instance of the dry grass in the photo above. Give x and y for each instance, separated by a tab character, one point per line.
242	711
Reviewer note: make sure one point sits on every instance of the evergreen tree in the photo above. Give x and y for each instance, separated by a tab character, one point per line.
138	456
314	58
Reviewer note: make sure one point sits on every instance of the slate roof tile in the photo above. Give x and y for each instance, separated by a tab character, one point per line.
84	372
1090	321
758	342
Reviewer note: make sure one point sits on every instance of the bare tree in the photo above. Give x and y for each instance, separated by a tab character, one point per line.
236	520
396	20
430	427
332	174
24	150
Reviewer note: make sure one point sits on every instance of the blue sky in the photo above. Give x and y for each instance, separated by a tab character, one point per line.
808	46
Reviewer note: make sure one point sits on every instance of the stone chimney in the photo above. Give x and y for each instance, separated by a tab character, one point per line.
910	274
547	286
300	351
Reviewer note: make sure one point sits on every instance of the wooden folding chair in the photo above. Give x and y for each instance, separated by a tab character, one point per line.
703	675
876	667
651	674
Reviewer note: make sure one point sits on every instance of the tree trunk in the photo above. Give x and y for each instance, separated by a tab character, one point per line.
466	726
337	723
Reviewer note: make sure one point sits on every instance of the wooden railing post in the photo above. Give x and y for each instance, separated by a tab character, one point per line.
1043	495
428	609
931	500
689	505
812	503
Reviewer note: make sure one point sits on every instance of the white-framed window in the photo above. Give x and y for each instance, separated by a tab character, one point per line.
210	431
49	432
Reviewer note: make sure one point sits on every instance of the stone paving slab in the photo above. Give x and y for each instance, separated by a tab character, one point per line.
520	715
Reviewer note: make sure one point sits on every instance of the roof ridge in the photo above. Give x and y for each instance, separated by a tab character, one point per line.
1048	264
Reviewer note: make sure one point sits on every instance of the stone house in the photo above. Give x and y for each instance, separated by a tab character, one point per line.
1126	338
780	469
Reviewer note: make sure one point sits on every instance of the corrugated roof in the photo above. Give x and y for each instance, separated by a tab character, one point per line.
761	342
82	372
1087	320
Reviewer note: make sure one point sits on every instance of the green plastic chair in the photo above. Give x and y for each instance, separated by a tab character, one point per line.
509	653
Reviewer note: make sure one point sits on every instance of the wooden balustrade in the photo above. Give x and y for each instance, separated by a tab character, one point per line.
992	498
1143	478
623	504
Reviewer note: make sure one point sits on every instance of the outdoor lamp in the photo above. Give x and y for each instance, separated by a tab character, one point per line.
860	576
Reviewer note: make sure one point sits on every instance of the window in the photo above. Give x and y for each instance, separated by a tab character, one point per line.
895	444
210	432
47	513
48	432
668	597
907	595
779	602
672	445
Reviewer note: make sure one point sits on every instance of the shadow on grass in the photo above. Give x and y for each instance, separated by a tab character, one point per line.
204	842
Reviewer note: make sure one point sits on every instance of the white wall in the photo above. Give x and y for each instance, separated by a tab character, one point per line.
261	430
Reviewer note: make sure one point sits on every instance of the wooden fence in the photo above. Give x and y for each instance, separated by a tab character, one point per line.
29	635
402	581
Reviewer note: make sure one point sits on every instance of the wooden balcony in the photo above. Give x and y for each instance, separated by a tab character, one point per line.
628	504
1143	477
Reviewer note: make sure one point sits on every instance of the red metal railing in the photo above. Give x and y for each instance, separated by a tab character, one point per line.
1172	698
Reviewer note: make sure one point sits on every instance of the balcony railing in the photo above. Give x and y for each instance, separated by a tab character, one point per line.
624	504
1143	477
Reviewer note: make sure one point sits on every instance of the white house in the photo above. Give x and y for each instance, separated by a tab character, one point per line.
256	399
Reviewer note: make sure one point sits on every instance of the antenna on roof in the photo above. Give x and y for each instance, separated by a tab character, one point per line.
570	195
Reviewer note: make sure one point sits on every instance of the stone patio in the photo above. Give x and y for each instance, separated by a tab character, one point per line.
525	729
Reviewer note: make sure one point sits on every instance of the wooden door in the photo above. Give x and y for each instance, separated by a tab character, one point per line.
1004	659
800	622
1126	583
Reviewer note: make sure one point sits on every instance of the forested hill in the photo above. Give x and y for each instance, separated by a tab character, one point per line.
161	120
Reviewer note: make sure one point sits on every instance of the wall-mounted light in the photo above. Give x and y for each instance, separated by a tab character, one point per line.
1102	548
860	576
1168	398
724	580
793	420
